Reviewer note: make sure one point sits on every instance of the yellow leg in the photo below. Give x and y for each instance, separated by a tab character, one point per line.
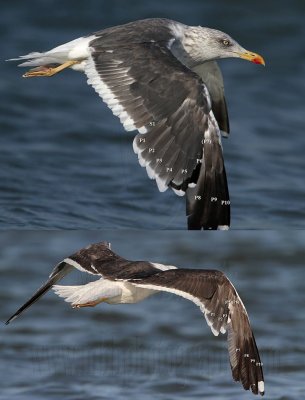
90	304
48	71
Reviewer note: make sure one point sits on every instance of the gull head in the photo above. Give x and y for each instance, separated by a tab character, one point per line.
205	44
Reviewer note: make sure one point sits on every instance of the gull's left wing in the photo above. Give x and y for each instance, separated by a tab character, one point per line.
224	312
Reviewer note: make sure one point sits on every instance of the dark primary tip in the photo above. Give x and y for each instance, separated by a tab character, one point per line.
9	320
12	318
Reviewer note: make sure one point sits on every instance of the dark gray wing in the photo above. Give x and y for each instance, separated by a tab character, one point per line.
223	310
99	259
211	75
58	273
151	91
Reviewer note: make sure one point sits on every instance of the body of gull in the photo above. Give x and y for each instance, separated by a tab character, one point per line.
161	78
123	281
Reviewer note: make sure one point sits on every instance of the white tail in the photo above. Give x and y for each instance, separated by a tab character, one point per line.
77	49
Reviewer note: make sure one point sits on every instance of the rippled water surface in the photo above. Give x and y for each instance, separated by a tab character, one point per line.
66	161
160	348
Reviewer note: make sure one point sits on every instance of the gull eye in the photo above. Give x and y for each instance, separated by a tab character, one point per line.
226	42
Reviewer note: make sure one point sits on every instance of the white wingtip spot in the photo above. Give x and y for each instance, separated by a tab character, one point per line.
129	128
261	386
135	146
223	227
142	130
142	161
179	192
138	151
192	185
162	186
215	332
150	172
129	124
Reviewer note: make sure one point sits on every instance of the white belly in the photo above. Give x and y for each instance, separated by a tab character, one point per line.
103	290
130	293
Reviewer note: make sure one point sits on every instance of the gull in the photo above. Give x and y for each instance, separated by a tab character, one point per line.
161	78
120	281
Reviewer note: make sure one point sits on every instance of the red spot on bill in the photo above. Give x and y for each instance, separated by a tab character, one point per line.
258	60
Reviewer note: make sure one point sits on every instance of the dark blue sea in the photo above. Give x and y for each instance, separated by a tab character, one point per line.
162	347
66	162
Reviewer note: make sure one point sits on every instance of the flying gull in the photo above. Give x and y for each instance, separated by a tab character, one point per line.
122	281
160	78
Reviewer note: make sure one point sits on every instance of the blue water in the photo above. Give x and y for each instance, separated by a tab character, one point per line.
161	348
66	162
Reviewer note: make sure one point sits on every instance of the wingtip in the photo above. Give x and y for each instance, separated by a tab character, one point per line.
261	388
257	388
10	319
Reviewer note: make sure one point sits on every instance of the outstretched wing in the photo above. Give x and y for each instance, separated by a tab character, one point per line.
153	92
224	312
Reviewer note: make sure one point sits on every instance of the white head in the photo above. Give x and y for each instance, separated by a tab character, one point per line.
205	44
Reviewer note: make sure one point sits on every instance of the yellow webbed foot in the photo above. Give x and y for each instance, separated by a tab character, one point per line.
45	70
